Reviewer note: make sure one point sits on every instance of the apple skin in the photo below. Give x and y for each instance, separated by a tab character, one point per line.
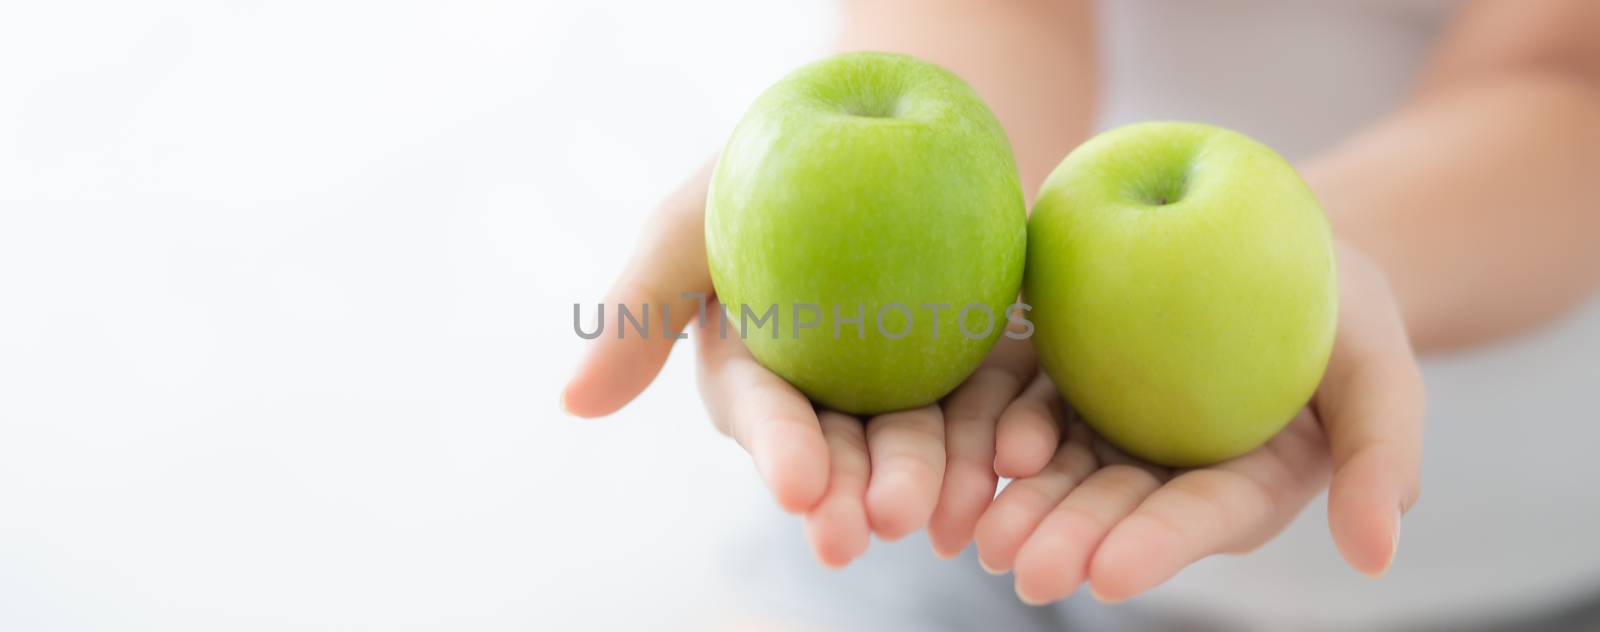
868	179
1183	286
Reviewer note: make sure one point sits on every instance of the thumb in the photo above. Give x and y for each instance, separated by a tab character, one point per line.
1371	404
663	287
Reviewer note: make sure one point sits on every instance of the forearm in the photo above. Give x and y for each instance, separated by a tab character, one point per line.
1032	61
1480	200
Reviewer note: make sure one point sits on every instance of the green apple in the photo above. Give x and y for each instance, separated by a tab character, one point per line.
868	199
1183	290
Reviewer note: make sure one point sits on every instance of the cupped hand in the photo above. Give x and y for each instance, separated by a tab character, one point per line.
888	475
1081	511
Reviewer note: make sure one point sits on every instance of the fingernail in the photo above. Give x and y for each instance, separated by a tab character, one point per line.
565	409
989	569
947	555
832	566
1102	598
1026	599
1394	549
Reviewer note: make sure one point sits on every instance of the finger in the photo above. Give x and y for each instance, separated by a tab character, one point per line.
669	260
1109	454
969	478
774	422
1029	430
907	454
1371	404
1054	560
1012	517
1015	357
837	526
1228	508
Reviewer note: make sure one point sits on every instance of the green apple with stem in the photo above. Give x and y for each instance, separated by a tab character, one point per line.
1183	290
868	215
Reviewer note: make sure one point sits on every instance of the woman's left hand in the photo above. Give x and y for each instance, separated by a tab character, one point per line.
1086	512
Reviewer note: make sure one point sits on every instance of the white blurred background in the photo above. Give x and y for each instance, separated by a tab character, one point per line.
285	307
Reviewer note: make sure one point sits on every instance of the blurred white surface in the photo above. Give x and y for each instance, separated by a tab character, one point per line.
285	306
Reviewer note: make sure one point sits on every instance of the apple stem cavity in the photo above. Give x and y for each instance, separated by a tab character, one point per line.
874	107
1162	188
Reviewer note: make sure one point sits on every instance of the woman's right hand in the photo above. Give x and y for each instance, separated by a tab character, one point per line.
890	475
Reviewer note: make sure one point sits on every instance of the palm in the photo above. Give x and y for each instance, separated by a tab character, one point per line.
888	475
1092	510
1122	525
1087	512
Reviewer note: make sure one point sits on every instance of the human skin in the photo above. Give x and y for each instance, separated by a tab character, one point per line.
887	475
1498	145
1465	215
